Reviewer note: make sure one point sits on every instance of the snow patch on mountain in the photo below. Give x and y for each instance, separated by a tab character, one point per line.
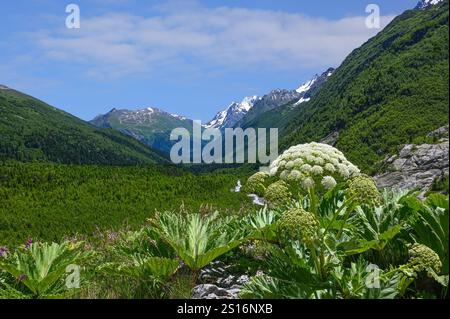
302	100
423	4
180	117
307	86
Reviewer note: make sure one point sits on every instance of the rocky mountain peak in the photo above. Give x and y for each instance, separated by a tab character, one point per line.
423	4
233	113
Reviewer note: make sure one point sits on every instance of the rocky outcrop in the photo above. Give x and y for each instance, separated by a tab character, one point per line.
219	282
331	139
209	291
417	166
226	288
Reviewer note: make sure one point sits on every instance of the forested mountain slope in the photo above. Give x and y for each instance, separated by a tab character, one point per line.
391	91
32	130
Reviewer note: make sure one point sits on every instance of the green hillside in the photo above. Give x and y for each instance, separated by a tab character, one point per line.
392	90
31	130
279	118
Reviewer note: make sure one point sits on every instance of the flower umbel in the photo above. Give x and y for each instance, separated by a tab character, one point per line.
277	194
423	258
328	182
256	183
363	190
299	224
313	165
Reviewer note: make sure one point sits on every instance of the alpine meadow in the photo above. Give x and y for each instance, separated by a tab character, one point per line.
354	205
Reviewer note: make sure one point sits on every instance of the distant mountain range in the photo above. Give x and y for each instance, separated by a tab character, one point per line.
153	126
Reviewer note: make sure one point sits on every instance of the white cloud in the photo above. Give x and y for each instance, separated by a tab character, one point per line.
116	44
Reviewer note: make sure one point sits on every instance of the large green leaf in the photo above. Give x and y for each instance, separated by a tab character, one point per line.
431	226
199	239
358	246
41	267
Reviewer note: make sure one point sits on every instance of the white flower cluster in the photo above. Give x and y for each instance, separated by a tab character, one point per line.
312	165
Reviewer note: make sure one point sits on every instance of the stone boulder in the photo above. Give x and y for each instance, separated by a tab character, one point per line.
225	288
417	166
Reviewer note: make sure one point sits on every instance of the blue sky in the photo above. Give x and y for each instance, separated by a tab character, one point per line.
187	57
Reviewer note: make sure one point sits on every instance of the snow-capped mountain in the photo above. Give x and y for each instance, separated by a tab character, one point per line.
423	4
306	86
4	87
151	125
137	117
245	112
233	113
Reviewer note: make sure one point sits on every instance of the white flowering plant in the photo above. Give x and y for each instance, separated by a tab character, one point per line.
313	166
307	169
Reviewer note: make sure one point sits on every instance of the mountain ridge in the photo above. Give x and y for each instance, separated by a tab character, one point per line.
31	130
153	126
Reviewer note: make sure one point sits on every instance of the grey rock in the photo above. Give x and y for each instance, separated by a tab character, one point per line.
416	166
440	132
209	291
227	282
224	288
406	151
232	281
243	279
330	139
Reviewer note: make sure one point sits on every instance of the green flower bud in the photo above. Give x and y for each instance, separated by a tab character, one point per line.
423	258
256	183
364	191
277	194
299	224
